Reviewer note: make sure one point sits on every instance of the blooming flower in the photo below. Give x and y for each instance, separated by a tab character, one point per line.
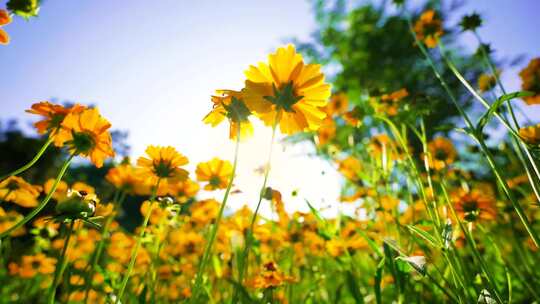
531	134
8	219
5	19
125	178
229	104
164	165
474	205
184	190
16	190
216	172
31	265
53	115
486	82
338	104
288	91
86	133
441	153
428	28
530	77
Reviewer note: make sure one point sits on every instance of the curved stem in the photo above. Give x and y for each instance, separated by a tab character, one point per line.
135	250
31	162
60	265
43	203
215	227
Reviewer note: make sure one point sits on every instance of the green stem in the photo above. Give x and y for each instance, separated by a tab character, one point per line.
43	203
32	162
135	250
479	137
60	266
215	227
245	254
101	245
487	274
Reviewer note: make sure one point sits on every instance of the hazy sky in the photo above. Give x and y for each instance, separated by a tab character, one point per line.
150	67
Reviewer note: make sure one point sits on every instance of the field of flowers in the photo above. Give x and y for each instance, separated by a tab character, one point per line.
444	211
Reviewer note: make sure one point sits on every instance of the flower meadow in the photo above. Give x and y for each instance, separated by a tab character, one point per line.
443	211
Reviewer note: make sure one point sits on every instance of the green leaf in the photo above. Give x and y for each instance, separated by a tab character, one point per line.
424	235
353	287
495	106
243	292
371	243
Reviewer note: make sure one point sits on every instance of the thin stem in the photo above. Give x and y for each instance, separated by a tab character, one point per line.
249	237
60	265
43	203
31	162
479	137
215	227
135	250
101	245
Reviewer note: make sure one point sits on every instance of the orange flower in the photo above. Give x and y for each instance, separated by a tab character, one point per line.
216	172
184	190
270	277
327	131
54	115
31	265
338	104
441	153
5	19
164	165
389	103
229	104
429	28
530	77
86	133
474	205
8	219
350	167
531	134
16	190
124	177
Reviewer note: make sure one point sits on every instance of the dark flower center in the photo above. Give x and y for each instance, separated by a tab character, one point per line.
83	142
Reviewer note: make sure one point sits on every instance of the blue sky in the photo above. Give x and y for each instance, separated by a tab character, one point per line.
150	66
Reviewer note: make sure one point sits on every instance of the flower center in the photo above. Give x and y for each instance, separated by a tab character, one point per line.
163	169
284	97
215	180
12	185
83	142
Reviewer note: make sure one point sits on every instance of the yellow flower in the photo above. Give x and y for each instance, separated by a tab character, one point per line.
5	19
428	28
442	153
205	211
184	190
53	115
124	177
287	90
228	104
164	165
8	219
86	133
531	134
16	190
530	77
216	172
486	82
